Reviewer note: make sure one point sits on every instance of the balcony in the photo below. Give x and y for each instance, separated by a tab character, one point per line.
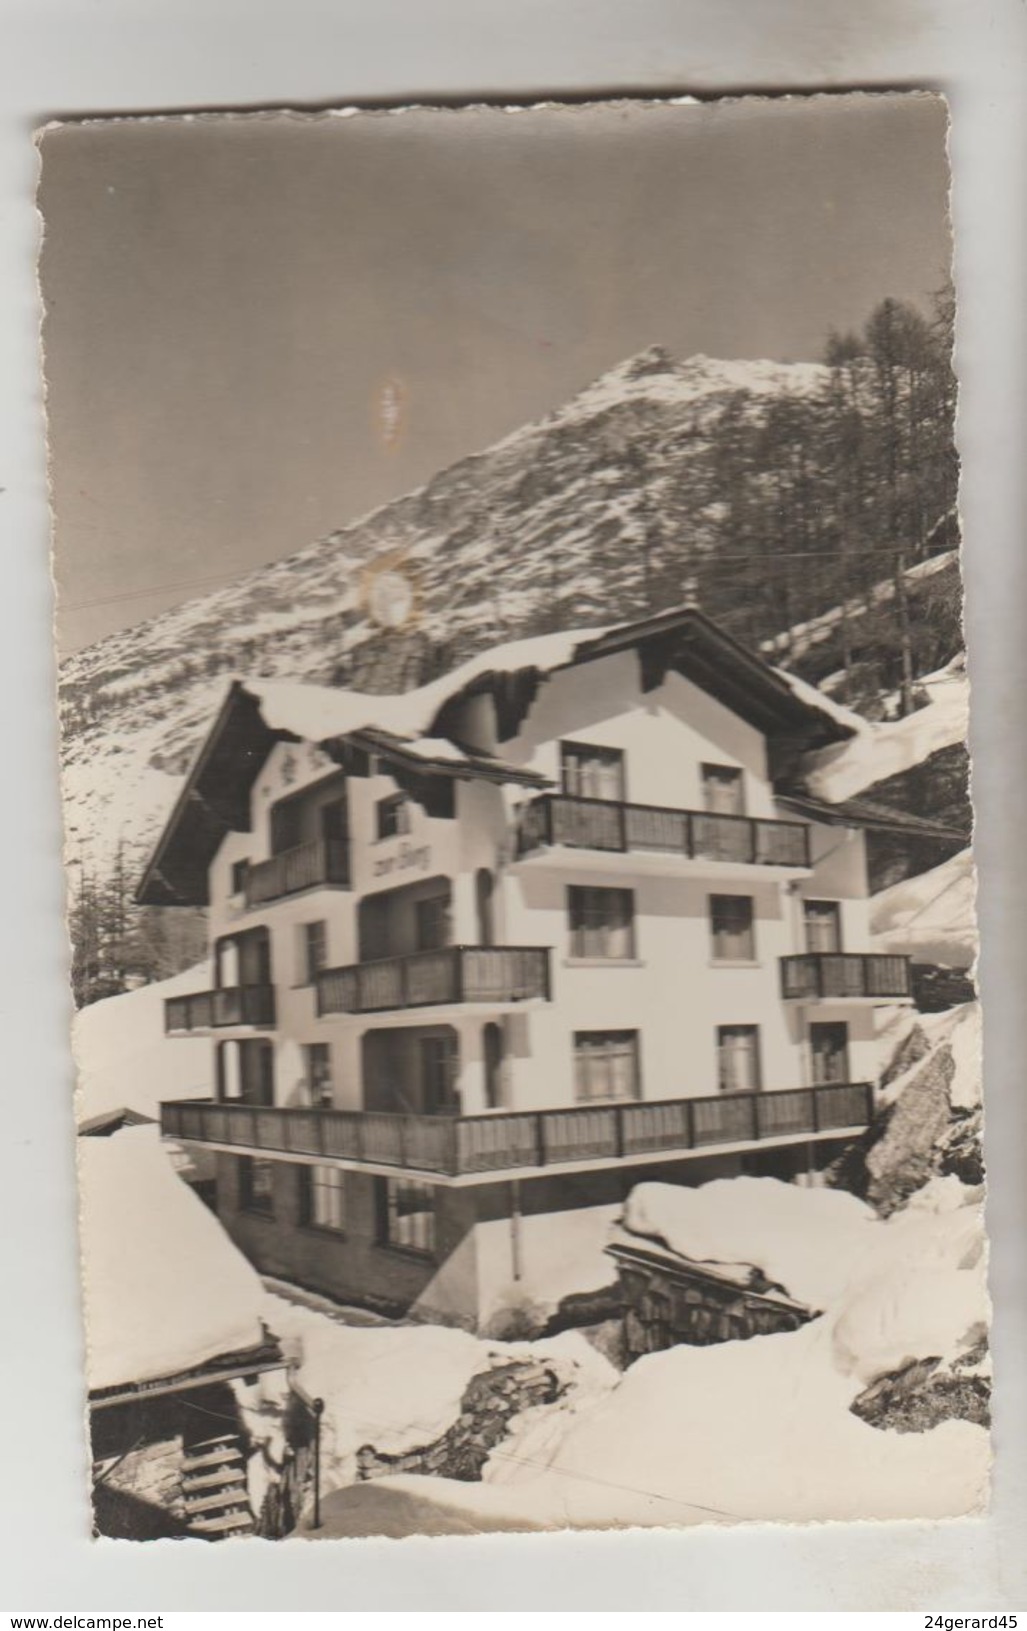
555	819
426	979
322	863
469	1147
229	1005
845	975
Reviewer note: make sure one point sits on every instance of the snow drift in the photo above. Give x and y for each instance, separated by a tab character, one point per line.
930	918
765	1429
125	1059
878	752
759	1223
165	1289
400	1388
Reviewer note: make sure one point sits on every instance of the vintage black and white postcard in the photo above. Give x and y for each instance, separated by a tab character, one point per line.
517	832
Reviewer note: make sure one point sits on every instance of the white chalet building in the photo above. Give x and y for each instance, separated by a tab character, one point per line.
507	945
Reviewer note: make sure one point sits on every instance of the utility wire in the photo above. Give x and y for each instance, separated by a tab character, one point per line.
714	558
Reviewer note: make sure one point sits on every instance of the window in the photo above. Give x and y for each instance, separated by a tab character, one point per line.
313	950
829	1048
433	922
591	772
335	821
245	1072
323	1198
440	1065
393	815
723	790
738	1058
286	825
731	929
317	1059
257	1186
605	1066
240	872
406	1215
602	922
493	1049
823	925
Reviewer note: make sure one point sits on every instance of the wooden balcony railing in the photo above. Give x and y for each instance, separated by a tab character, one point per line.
453	974
230	1005
324	861
462	1146
606	824
846	974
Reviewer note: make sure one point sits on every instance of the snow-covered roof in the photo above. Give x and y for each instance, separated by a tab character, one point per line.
876	752
419	729
165	1289
775	1227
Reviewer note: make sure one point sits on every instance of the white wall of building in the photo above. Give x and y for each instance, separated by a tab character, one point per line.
673	992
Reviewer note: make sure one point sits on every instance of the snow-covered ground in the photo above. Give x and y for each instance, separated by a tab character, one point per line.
165	1289
400	1387
877	752
802	637
763	1429
561	1257
932	917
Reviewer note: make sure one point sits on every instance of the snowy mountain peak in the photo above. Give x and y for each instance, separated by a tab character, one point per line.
655	376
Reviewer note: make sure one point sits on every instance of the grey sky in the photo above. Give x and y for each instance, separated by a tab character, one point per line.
227	298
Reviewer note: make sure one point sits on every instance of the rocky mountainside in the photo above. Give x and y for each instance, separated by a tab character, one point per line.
589	515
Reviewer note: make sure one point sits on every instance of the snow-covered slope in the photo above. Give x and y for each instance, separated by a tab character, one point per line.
541	531
932	917
124	1058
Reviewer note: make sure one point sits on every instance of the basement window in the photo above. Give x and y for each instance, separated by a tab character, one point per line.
406	1215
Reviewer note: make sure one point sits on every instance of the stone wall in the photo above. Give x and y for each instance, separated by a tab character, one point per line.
666	1303
490	1401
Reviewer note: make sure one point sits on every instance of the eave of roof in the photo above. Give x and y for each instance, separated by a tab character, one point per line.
871	816
112	1121
216	797
683	640
461	764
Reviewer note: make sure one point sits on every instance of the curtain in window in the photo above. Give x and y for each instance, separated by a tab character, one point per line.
409	1215
722	790
318	1074
823	926
829	1046
602	922
593	773
732	928
605	1066
325	1198
738	1058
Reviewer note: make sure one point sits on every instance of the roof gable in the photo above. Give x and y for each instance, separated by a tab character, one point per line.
417	733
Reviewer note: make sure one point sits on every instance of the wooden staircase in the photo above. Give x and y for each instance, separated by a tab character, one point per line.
214	1488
